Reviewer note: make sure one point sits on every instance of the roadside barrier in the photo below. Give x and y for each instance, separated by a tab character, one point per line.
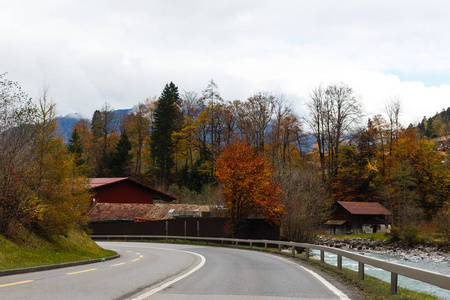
437	279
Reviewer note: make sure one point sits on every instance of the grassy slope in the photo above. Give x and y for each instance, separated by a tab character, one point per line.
30	250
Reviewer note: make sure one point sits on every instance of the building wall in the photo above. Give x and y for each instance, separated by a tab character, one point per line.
203	227
123	192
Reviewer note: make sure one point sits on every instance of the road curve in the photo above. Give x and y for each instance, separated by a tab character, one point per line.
167	271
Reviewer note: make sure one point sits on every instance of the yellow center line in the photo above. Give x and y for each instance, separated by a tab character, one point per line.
9	284
136	259
118	264
81	271
129	251
137	253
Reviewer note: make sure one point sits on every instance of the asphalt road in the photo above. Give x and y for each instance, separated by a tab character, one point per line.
167	271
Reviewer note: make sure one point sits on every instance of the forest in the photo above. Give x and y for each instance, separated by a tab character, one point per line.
180	143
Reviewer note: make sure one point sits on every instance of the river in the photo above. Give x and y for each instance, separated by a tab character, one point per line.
437	266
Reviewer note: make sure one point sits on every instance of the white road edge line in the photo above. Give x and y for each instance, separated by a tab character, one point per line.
331	287
155	290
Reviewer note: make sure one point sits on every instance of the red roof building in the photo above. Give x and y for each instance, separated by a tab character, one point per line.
358	217
125	190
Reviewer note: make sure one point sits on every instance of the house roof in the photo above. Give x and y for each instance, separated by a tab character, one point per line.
118	211
131	211
100	182
97	182
444	139
364	208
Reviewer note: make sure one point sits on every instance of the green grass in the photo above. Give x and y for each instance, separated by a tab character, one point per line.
30	250
369	236
370	287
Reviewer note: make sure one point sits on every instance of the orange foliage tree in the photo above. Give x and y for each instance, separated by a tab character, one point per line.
248	185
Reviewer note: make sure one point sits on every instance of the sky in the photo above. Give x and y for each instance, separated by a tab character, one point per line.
89	53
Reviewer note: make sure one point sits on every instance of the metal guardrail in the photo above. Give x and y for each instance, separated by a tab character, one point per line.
437	279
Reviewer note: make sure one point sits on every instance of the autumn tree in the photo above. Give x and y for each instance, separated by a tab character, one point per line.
359	166
191	105
165	123
259	109
104	129
138	126
213	100
17	115
307	203
333	112
290	139
249	188
58	187
88	146
392	110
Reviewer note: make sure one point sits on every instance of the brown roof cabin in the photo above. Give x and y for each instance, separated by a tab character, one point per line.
358	217
125	190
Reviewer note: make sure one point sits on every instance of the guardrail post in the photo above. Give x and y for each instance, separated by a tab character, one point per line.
360	271
251	243
394	280
198	231
322	256
167	229
439	280
184	228
265	245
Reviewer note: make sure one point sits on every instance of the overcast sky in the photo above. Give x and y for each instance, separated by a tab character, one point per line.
121	52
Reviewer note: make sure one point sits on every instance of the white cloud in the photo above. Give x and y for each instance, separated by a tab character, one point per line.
92	52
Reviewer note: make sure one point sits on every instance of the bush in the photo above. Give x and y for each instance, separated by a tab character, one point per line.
394	234
410	235
443	219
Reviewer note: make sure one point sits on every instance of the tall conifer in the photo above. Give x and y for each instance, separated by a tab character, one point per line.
120	159
165	123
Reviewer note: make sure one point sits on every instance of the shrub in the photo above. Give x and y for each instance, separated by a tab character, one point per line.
410	235
394	234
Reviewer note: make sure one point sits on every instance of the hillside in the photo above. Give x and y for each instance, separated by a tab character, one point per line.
67	122
436	126
30	250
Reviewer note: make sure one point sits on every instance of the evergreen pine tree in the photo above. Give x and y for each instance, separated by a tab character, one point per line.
165	123
96	124
120	159
76	148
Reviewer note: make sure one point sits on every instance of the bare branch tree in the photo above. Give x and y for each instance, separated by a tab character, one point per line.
333	113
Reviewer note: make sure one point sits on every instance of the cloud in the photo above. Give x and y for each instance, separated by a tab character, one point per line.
92	52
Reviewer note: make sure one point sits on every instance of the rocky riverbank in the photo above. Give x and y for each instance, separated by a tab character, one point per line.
417	253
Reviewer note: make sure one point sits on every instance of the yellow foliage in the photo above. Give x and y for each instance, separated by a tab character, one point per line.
35	209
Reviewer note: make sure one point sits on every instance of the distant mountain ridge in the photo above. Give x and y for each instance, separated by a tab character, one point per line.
67	122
